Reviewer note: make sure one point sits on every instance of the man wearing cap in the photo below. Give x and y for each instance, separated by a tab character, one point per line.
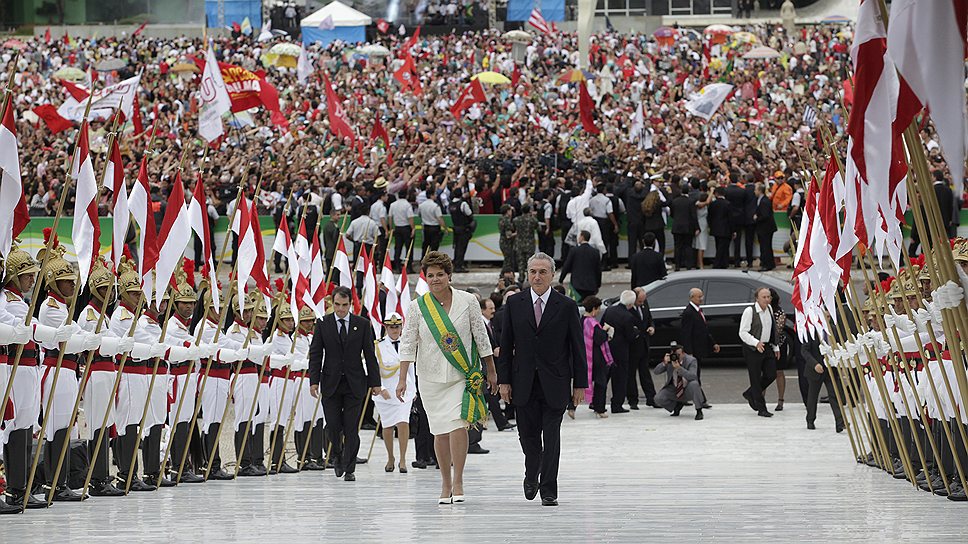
99	388
19	274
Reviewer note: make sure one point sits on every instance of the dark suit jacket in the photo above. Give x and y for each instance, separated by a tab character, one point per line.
945	202
684	215
647	266
330	359
584	263
642	324
626	333
555	351
764	216
718	218
694	333
737	198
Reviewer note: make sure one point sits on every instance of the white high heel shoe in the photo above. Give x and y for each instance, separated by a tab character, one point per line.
458	498
445	500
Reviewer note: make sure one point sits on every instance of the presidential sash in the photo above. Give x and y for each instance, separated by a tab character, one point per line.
474	405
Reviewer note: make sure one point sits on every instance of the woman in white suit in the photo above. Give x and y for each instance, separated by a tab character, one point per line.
445	337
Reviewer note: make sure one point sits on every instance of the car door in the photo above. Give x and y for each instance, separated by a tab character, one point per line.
666	301
725	301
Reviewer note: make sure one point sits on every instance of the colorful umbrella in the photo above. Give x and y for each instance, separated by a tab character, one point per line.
375	50
744	37
13	43
518	36
185	67
665	35
719	29
574	75
492	78
285	49
836	20
109	65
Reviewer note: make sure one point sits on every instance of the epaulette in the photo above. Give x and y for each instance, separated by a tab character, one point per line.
11	297
52	302
91	315
125	314
236	329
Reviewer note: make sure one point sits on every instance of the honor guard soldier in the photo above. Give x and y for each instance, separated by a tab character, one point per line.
184	373
238	336
133	386
20	271
99	388
215	393
281	391
306	428
61	282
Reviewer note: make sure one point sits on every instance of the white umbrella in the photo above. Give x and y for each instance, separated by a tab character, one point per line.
762	52
374	50
518	36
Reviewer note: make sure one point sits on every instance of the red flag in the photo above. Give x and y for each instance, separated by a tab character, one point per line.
136	117
381	133
586	109
382	25
412	40
173	237
139	202
259	268
848	92
76	91
51	118
515	75
13	204
140	29
270	99
47	35
407	76
472	94
338	123
360	159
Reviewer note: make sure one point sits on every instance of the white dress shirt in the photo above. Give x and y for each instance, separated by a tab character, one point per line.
745	322
544	299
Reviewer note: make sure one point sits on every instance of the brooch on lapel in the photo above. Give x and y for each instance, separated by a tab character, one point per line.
354	328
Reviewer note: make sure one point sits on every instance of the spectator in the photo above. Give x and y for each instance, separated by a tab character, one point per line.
718	220
619	317
685	227
599	357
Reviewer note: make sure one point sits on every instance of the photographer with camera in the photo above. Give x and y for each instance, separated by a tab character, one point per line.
682	382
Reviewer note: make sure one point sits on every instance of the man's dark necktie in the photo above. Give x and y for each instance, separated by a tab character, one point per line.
396	345
342	331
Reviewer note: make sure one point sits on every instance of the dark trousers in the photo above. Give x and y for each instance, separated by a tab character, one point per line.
254	453
684	251
423	440
660	238
762	372
474	435
605	226
582	294
52	450
180	439
635	233
565	227
599	390
16	458
742	235
461	240
151	451
765	239
546	242
401	245
814	381
211	444
619	374
749	231
639	364
722	252
342	411
539	430
431	239
494	406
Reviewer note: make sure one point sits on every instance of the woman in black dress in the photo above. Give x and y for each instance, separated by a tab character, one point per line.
599	356
784	360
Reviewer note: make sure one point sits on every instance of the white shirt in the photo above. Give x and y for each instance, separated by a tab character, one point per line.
544	299
745	322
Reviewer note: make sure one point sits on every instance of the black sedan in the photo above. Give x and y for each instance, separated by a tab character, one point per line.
728	293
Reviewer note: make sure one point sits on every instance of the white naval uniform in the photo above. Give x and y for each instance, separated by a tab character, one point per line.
148	332
25	393
54	313
100	380
183	383
133	387
281	390
391	410
215	394
247	382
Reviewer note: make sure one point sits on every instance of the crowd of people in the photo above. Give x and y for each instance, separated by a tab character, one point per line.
521	153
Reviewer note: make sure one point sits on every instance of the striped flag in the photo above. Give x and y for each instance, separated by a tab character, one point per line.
114	179
85	229
538	22
810	116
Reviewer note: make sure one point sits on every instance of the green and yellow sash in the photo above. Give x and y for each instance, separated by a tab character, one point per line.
474	405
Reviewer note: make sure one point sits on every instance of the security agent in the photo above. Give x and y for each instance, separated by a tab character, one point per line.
682	384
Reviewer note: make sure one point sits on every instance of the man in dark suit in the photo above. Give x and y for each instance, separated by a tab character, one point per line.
694	332
749	228
736	196
584	263
341	344
647	265
619	316
685	227
818	374
541	368
718	220
639	354
946	203
765	227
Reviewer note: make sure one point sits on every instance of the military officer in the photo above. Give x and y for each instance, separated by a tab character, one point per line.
281	391
307	428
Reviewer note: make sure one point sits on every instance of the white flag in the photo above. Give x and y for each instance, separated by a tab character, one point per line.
85	228
266	32
215	99
304	67
638	124
705	103
327	23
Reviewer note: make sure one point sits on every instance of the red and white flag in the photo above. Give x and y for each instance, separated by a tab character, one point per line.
380	132
538	22
341	264
407	76
246	253
114	179
198	220
339	124
215	100
403	294
927	41
371	292
317	277
304	263
388	281
172	238
421	288
86	229
258	273
140	206
472	94
13	204
285	246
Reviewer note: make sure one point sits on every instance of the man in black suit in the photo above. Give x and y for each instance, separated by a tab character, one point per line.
737	197
541	368
639	354
584	263
341	344
818	374
694	332
647	265
765	227
685	227
619	316
946	203
718	220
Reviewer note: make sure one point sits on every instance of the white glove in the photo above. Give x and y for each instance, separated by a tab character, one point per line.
46	335
140	351
157	350
256	354
92	340
109	346
14	334
207	351
125	344
279	361
79	342
179	354
226	355
194	352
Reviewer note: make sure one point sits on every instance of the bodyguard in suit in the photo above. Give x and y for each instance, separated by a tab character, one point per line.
685	227
760	349
584	263
620	317
682	382
342	342
946	203
718	220
738	199
648	264
694	332
639	354
765	227
541	368
818	374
